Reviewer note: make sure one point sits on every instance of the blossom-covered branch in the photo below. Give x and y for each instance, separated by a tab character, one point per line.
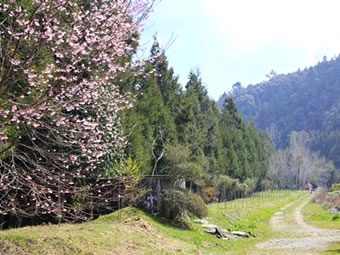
59	98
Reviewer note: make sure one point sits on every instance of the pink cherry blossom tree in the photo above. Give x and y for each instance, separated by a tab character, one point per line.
60	62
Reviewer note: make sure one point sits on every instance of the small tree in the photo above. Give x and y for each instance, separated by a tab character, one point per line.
181	166
226	187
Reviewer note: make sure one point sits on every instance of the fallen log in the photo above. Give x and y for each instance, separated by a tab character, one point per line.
218	233
240	233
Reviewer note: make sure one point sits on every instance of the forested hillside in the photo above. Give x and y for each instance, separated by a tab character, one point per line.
82	117
307	100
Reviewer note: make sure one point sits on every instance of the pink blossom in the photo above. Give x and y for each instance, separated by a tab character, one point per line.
72	98
14	108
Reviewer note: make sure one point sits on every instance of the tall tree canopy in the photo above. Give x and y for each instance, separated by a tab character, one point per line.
182	132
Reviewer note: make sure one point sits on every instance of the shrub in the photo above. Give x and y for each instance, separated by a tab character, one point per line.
177	203
320	195
333	200
335	187
173	204
196	206
329	200
208	193
336	217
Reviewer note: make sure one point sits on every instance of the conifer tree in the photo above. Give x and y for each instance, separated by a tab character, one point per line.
150	123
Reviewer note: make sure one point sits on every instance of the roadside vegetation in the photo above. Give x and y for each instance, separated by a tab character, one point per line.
132	231
319	212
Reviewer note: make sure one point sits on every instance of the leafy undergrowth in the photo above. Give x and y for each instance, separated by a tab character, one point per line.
131	231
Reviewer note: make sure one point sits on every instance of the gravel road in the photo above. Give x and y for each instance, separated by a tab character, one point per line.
297	236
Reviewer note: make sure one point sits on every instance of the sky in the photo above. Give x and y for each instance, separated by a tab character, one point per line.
231	41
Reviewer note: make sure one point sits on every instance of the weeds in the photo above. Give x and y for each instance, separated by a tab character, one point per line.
326	199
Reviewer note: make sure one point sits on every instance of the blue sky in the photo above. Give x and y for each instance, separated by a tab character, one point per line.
233	41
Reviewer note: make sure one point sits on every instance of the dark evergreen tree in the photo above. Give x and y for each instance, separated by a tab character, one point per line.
183	133
150	123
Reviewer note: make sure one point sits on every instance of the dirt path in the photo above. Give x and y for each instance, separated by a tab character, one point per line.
297	236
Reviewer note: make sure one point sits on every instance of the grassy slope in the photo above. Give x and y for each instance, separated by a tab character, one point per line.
140	233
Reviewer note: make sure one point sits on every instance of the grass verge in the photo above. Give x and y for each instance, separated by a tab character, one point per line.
141	233
319	216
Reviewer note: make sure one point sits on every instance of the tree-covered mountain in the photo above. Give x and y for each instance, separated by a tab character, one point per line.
307	100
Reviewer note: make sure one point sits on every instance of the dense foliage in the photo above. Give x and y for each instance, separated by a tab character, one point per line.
180	131
68	81
177	203
306	100
59	98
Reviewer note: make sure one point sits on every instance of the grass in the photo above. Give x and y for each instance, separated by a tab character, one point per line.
249	214
319	216
141	233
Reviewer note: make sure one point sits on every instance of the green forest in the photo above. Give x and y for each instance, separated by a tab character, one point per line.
305	102
178	130
82	120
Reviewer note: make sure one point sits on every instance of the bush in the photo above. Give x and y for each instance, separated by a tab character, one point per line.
196	206
177	203
336	217
328	200
173	204
320	195
335	187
